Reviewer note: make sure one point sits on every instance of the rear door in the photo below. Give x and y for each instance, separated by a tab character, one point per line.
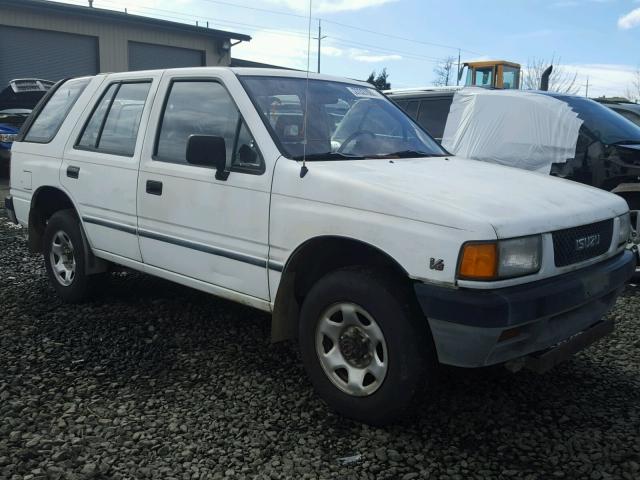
101	159
191	223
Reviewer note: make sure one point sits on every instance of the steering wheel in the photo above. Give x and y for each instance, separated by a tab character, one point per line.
353	136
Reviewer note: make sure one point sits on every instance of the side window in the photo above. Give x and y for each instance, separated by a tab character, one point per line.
89	138
205	108
433	115
246	156
50	118
113	126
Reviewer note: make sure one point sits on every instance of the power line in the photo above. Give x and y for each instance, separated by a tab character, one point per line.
336	40
344	25
401	38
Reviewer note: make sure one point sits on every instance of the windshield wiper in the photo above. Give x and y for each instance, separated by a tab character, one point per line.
407	154
328	156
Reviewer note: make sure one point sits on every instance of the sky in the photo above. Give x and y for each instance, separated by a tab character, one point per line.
597	39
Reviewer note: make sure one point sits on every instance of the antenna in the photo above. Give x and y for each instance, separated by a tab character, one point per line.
304	169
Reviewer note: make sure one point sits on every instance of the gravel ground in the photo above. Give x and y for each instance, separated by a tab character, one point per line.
152	380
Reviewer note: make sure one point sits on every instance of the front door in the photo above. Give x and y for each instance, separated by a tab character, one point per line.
190	223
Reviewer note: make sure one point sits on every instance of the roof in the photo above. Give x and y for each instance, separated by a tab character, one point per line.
101	14
243	71
489	63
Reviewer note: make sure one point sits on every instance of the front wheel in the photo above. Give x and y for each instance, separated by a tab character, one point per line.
365	350
64	256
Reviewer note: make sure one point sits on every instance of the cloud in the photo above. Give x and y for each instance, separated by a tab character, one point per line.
280	49
330	6
604	79
290	50
368	57
630	20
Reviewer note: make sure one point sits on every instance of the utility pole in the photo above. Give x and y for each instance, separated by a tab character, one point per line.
587	92
319	38
458	72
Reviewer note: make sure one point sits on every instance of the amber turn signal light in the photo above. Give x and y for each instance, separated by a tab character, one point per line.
479	261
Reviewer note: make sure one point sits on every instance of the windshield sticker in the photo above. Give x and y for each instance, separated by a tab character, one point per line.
363	92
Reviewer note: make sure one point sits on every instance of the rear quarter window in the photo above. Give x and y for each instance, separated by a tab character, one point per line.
52	115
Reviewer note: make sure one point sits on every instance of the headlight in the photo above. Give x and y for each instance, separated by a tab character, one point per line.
500	259
8	137
625	228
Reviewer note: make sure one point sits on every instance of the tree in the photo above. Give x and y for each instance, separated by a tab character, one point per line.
561	80
379	81
633	90
445	72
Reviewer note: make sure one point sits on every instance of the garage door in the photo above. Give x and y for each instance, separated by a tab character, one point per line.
146	56
29	53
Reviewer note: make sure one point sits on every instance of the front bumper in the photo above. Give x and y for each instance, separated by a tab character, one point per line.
475	328
8	206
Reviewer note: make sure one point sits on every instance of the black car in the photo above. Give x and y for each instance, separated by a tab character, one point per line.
16	102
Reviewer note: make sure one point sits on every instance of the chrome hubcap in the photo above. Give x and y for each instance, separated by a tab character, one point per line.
352	350
62	258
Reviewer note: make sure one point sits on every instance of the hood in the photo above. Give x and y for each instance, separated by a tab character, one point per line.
25	93
459	193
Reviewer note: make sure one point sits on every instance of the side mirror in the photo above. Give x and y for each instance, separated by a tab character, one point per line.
208	151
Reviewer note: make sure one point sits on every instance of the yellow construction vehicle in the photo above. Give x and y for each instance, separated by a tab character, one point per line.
491	74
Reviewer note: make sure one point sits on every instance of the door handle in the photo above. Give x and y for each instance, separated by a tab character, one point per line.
154	187
73	172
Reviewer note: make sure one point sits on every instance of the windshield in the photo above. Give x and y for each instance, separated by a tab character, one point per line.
344	121
602	123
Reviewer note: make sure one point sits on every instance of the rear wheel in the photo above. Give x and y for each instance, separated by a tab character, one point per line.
64	256
365	351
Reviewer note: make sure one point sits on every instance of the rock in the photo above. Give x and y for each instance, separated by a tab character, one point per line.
381	454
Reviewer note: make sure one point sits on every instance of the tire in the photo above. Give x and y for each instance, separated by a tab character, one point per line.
64	257
386	335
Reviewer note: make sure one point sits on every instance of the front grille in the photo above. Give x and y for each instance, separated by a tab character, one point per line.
577	244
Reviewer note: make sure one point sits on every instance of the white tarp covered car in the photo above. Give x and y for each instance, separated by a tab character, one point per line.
514	128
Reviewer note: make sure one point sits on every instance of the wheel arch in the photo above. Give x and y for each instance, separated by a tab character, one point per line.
309	262
45	202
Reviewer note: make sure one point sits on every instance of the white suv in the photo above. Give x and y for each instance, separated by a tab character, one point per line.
320	201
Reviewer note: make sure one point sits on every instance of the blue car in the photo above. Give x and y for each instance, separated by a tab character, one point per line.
16	102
